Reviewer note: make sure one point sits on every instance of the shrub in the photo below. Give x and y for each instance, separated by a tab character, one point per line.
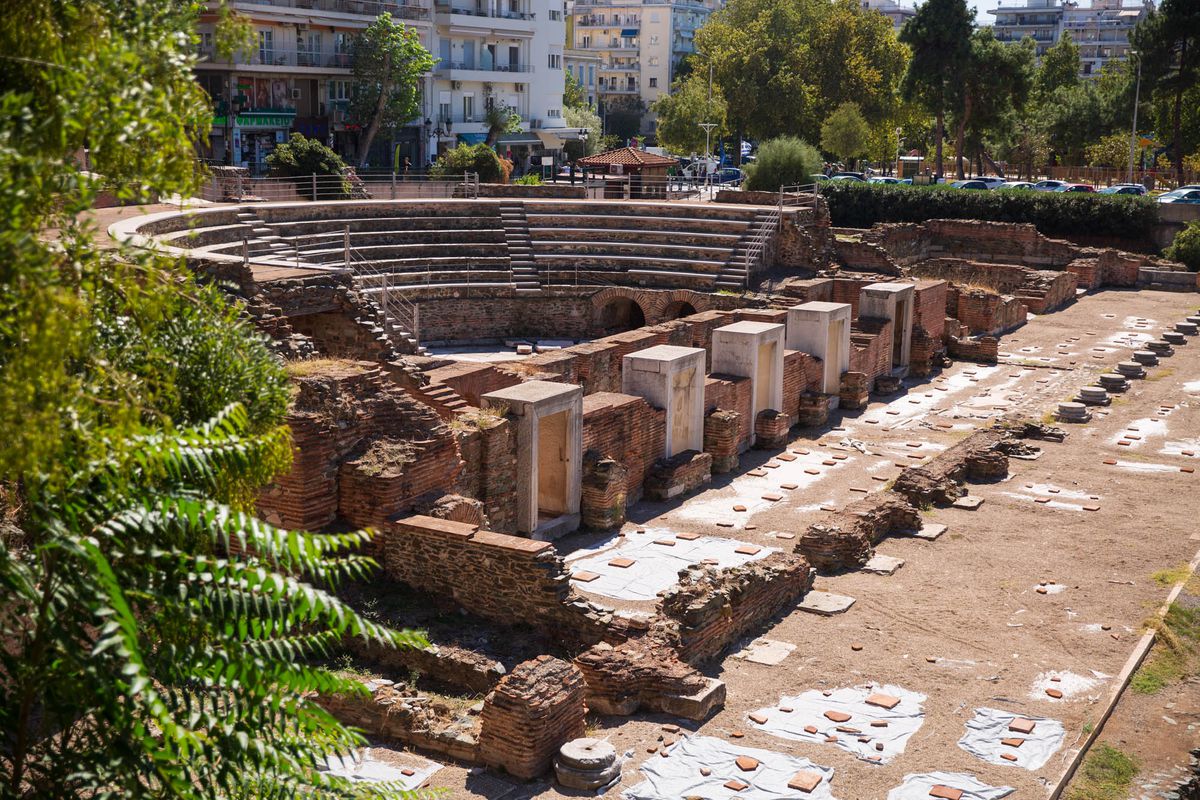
1186	247
473	158
301	158
785	161
531	179
858	205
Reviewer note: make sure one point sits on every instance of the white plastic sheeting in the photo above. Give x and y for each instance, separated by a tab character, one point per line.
678	775
986	731
369	769
916	787
656	566
809	709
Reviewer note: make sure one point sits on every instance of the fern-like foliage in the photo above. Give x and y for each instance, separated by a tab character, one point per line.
182	636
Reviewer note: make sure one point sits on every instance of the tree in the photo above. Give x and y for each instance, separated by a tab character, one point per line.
478	158
1186	247
623	116
500	119
1073	119
785	161
1060	67
681	112
939	36
784	65
845	132
300	157
573	94
996	82
158	641
388	63
583	119
1110	151
1168	45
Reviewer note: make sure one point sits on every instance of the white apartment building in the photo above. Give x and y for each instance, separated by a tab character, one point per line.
298	79
640	44
1100	29
895	12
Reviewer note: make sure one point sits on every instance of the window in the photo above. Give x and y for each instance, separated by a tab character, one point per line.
468	105
654	39
553	112
555	61
555	14
308	49
654	83
206	44
591	75
339	90
266	47
654	61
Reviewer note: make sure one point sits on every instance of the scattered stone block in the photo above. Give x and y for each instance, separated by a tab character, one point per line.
1022	725
622	563
748	550
583	576
825	604
882	700
883	565
837	716
945	792
805	781
746	763
967	502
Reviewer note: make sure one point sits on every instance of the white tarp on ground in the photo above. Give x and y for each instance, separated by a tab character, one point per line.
656	566
986	731
367	768
808	710
916	787
678	776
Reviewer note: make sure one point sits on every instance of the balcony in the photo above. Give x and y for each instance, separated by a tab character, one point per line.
600	47
406	10
634	67
622	88
275	57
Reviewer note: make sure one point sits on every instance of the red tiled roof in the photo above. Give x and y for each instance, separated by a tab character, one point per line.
628	157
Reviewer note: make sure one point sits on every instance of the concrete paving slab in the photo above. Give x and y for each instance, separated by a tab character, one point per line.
826	604
883	565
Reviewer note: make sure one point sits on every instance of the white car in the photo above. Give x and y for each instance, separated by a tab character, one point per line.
992	182
1049	186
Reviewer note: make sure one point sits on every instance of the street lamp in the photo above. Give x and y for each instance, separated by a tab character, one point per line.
1137	90
899	150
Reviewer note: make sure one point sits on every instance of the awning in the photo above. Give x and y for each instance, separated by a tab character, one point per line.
518	138
257	121
472	138
627	32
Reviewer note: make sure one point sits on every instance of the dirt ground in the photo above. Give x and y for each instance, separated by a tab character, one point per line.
963	621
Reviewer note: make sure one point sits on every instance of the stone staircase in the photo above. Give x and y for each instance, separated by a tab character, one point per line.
734	275
263	240
520	248
444	400
393	328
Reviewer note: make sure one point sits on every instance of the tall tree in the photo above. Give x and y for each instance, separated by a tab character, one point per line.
995	82
1168	45
784	65
939	36
157	640
680	113
573	94
388	62
1060	67
845	132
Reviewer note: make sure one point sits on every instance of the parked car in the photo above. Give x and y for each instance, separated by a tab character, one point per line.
848	176
1123	188
1191	196
729	176
819	177
905	182
1076	187
992	182
969	185
884	180
1015	185
1049	186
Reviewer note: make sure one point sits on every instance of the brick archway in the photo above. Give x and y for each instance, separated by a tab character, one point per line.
657	306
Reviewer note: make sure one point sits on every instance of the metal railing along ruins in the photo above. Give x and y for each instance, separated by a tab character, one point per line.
796	196
398	310
365	186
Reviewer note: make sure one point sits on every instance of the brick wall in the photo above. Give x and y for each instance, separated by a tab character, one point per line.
985	312
627	429
731	393
362	448
505	579
488	446
472	380
871	348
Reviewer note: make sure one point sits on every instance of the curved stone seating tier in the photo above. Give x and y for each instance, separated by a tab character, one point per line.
478	242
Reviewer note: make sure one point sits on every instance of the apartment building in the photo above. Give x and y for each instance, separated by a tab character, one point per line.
1101	29
640	44
298	77
895	12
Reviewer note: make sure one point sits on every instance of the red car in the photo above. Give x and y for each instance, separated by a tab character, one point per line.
1076	187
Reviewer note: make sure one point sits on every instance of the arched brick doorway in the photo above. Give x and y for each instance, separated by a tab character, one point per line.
677	309
620	314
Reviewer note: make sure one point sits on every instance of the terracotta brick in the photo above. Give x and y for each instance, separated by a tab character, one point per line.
945	792
761	719
665	542
810	728
583	576
623	563
746	763
837	716
1055	693
736	785
805	781
774	498
1008	756
1021	725
748	550
1012	742
687	537
883	701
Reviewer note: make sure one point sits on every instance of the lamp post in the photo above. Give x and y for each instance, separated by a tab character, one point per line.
899	150
1137	91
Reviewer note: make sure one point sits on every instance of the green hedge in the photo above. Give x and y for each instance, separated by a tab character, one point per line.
858	205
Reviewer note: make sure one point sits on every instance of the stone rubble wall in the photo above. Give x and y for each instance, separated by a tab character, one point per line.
722	438
985	312
488	445
846	539
730	393
871	348
627	429
709	610
508	580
